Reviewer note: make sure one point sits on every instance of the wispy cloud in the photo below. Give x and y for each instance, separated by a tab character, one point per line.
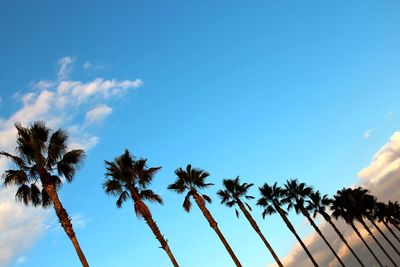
98	113
65	67
61	103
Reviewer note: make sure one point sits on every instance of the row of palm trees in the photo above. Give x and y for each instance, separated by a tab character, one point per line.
43	159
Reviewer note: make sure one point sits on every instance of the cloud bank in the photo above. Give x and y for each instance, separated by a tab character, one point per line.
382	178
72	105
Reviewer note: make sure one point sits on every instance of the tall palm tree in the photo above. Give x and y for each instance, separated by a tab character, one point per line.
42	159
129	178
318	204
295	194
232	195
381	213
271	202
370	204
192	180
365	203
344	205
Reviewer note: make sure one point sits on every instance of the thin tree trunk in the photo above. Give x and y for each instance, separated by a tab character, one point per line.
379	244
307	215
65	221
365	243
141	209
291	228
258	231
390	230
329	220
164	244
396	226
384	236
200	202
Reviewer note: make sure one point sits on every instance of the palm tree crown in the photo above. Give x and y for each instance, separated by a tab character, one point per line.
271	197
129	178
317	203
234	192
42	159
295	194
191	180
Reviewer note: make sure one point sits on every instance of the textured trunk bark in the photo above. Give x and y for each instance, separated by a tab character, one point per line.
258	231
391	231
316	228
379	244
291	228
365	243
384	236
144	211
65	221
200	202
329	220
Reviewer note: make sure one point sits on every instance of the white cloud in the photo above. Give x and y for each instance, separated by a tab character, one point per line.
98	113
59	103
368	133
21	260
65	67
382	178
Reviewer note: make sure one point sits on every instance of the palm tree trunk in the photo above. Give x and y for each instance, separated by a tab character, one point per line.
258	231
365	243
200	202
379	244
65	221
291	228
156	231
384	236
307	215
329	220
390	230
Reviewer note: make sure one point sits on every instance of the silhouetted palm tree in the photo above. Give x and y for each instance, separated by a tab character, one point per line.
271	202
42	158
381	213
192	180
233	194
294	195
318	204
129	178
345	206
393	214
370	214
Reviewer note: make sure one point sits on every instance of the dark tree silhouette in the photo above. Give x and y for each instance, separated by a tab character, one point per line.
271	202
192	180
234	194
381	213
129	178
318	205
345	206
42	158
295	194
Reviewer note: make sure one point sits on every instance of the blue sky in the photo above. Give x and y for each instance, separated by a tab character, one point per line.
263	89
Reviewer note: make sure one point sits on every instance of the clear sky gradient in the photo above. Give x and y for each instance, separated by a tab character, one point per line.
268	90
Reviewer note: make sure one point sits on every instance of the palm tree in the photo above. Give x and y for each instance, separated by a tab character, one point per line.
381	213
192	180
365	203
271	201
233	194
129	178
294	195
370	213
345	206
42	159
393	214
318	204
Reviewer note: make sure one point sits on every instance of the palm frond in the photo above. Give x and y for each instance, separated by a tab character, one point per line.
122	198
187	204
112	187
206	198
57	147
14	177
150	196
70	163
